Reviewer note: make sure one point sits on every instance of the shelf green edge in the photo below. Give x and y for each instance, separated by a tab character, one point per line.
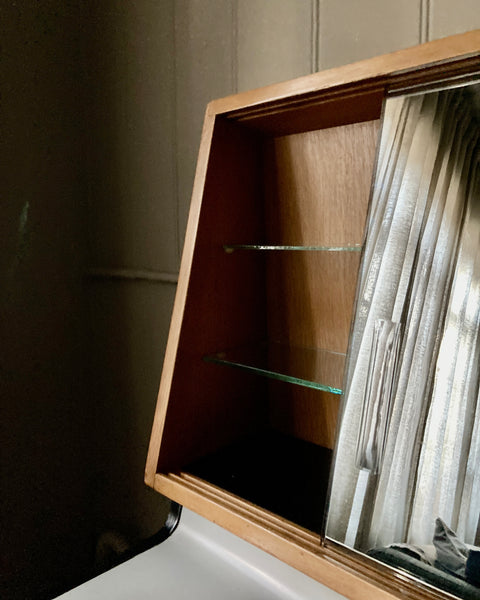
273	375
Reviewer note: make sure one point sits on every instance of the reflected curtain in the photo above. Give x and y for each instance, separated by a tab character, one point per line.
421	269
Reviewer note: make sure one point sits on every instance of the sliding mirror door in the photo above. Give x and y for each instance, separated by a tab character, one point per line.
405	487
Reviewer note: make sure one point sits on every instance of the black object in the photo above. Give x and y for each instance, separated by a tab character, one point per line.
425	572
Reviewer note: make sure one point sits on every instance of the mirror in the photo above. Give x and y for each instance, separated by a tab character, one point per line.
405	486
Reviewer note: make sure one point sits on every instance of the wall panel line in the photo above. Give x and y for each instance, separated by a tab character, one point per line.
315	33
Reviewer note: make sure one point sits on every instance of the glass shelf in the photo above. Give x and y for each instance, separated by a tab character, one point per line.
312	368
229	248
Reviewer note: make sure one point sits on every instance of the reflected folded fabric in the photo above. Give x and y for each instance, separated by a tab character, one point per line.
454	556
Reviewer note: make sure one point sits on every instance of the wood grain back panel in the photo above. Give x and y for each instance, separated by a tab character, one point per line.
318	184
301	412
317	190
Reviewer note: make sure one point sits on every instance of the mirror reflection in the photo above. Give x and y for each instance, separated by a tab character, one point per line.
406	478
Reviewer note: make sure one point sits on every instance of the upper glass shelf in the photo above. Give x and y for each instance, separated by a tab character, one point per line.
229	248
312	368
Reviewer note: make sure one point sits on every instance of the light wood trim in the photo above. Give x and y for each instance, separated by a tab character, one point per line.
341	570
444	50
321	565
180	298
267	518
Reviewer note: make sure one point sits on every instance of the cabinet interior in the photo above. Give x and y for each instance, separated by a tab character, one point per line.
258	375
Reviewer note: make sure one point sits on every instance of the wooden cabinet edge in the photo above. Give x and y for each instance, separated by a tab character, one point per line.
416	57
317	565
180	299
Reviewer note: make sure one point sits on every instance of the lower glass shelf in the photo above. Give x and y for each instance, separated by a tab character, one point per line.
229	248
313	368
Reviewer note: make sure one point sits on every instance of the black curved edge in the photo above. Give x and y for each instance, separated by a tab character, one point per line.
171	523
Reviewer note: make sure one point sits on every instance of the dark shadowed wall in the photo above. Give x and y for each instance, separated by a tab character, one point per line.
46	409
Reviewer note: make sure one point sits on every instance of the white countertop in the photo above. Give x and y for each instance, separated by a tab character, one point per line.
201	560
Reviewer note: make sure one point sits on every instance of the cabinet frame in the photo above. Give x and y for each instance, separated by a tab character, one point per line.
337	97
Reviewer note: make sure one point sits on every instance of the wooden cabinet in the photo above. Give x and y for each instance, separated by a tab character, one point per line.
249	397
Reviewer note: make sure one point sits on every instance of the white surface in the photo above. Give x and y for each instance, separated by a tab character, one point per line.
202	561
